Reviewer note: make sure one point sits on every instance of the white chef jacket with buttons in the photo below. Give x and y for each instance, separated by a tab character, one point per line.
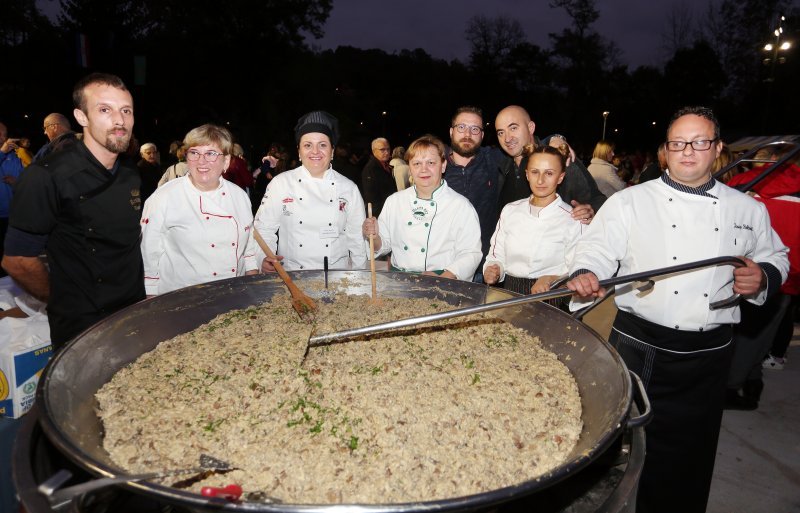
527	245
313	218
441	233
191	236
654	225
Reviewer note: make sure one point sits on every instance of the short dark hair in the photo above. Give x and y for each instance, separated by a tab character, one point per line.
703	112
468	109
78	96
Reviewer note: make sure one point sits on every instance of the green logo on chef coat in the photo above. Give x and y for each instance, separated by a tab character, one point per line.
420	213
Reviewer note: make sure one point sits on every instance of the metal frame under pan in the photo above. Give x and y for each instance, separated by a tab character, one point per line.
66	391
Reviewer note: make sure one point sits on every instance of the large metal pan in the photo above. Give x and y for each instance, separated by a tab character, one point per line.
66	392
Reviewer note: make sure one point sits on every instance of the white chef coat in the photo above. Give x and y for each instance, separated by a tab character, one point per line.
527	245
305	219
191	236
441	233
654	225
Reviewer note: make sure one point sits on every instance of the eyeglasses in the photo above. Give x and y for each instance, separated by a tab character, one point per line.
49	125
210	156
701	145
473	129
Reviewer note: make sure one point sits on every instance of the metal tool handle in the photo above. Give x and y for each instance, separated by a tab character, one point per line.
318	340
640	392
61	497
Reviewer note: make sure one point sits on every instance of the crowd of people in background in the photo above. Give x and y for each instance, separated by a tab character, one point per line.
118	224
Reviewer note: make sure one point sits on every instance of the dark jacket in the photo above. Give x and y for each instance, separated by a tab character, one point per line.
377	185
480	182
90	217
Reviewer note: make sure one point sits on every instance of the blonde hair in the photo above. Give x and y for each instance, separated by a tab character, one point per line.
603	150
422	144
209	134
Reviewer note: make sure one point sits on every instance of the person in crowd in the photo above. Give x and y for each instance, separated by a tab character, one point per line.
603	171
345	165
400	170
669	336
515	130
198	228
23	151
653	169
176	170
429	228
582	184
172	157
237	171
11	168
81	207
766	330
59	135
722	162
475	172
535	237
312	212
150	168
376	177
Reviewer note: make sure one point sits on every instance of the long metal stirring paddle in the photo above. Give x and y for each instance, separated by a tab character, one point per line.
326	338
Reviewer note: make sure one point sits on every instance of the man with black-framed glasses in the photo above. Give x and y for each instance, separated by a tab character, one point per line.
670	336
474	171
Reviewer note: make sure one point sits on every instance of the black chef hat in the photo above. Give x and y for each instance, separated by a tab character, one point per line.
317	121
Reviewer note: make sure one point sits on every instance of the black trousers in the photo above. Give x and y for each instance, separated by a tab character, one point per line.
684	374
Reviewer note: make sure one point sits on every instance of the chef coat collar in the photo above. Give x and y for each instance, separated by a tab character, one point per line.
699	191
325	175
433	194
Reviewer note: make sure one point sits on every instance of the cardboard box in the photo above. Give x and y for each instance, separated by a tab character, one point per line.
20	370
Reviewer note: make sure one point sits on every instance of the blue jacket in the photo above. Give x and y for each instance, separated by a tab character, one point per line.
10	165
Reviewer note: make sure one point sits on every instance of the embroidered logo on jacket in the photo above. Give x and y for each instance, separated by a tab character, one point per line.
342	205
288	200
420	213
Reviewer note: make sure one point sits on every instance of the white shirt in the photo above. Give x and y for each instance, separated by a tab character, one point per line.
305	219
441	233
527	245
654	225
191	237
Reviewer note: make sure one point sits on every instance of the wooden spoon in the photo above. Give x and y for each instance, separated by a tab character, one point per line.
304	305
372	258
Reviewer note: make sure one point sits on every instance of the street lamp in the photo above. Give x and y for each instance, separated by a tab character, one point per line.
605	118
774	58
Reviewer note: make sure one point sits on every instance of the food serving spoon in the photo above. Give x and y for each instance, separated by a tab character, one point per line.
327	338
304	305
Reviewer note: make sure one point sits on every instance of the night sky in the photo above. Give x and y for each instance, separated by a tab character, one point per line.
438	26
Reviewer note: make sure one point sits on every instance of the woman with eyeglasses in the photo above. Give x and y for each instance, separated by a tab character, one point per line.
312	212
198	227
603	171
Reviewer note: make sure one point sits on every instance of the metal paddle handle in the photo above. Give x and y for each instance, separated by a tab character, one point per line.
318	340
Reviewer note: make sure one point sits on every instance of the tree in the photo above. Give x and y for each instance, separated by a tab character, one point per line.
679	30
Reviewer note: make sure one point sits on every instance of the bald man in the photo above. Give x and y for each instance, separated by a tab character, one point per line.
59	135
515	130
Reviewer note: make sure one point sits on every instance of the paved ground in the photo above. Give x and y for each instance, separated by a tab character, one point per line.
758	456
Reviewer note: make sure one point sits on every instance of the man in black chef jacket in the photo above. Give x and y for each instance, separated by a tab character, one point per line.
81	207
670	336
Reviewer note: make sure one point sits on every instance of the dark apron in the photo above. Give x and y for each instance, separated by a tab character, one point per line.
523	286
684	373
